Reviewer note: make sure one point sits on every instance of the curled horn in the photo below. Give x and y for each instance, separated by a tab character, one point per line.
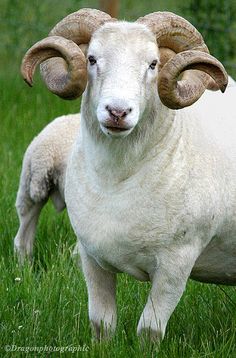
68	78
63	67
187	68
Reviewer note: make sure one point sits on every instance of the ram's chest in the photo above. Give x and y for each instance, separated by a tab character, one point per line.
122	226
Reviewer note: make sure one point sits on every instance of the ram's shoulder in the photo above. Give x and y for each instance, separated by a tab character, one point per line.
65	125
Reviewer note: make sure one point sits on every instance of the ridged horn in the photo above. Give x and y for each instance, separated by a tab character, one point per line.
178	35
58	69
80	25
67	81
175	93
174	32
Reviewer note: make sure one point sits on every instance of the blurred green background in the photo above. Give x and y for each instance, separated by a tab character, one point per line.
24	22
48	306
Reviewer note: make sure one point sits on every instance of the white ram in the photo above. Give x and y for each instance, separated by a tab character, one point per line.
150	190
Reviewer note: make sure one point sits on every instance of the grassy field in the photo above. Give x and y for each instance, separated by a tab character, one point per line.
46	304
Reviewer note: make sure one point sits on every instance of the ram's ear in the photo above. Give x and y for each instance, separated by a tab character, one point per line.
165	55
84	49
185	77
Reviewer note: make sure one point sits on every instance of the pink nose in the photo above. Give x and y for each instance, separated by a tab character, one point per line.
118	113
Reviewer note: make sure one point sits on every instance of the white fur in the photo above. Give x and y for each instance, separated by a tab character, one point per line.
159	202
43	176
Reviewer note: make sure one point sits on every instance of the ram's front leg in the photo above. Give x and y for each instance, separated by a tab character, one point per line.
28	213
168	284
101	285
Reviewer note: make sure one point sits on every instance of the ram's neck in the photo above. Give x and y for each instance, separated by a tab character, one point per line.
156	135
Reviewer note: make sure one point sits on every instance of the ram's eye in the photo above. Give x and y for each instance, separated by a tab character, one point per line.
153	65
92	60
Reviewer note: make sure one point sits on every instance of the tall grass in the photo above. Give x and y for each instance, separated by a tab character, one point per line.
46	304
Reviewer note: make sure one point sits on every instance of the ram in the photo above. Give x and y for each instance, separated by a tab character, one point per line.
151	179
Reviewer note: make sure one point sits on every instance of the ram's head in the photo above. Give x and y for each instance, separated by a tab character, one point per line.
124	64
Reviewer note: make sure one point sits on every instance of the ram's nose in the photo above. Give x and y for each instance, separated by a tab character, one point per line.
118	114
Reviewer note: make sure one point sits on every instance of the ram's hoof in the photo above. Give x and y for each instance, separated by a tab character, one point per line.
147	334
101	332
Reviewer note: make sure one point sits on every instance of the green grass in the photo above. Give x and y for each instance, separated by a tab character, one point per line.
48	305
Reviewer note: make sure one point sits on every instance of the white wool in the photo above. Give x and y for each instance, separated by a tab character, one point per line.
157	199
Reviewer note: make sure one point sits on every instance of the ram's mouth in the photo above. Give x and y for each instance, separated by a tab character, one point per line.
117	129
119	126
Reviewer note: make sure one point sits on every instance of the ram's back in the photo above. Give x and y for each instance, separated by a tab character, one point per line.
217	119
45	161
